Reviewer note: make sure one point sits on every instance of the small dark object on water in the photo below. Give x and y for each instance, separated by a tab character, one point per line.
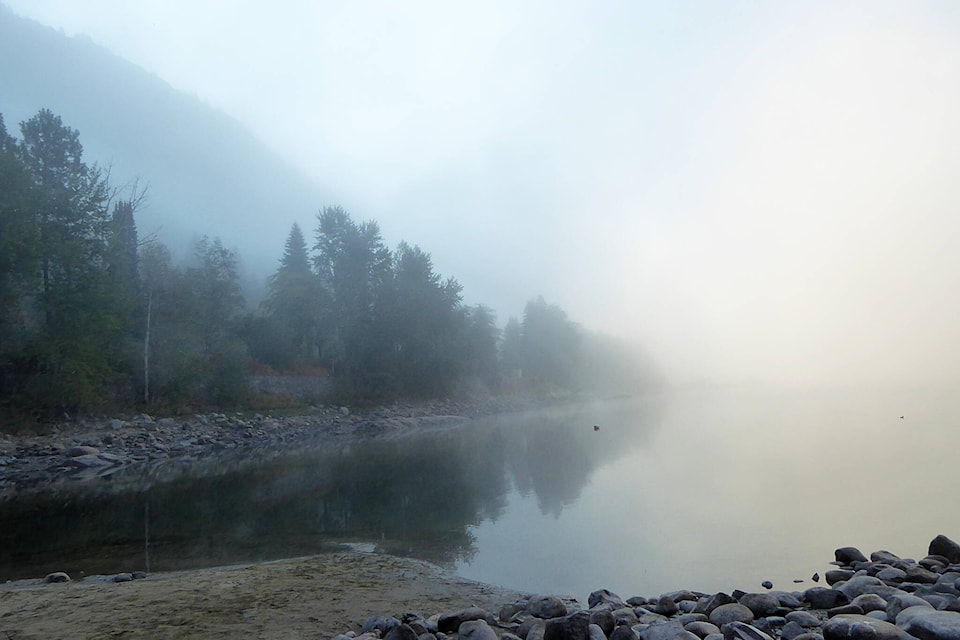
816	577
766	584
797	580
596	427
901	417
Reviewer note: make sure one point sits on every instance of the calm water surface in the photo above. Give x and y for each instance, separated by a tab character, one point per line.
711	490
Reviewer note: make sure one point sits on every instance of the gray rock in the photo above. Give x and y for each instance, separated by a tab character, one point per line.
761	604
687	618
845	609
825	598
944	546
809	635
624	632
935	563
401	632
604	620
804	619
837	575
901	601
929	624
508	611
921	575
55	577
733	612
892	574
849	555
858	627
534	630
451	621
701	629
88	461
666	606
787	599
123	577
870	602
480	630
596	633
574	626
884	556
743	631
791	630
383	624
604	596
708	604
626	615
672	630
645	616
546	606
770	624
766	584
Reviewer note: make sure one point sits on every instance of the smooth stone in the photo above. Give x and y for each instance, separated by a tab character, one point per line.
451	621
546	606
743	631
666	606
123	577
892	574
701	628
899	602
787	599
649	617
809	635
884	556
847	608
682	595
624	632
825	598
791	630
935	563
687	606
56	577
508	611
478	630
626	616
766	584
837	575
596	633
859	627
917	573
849	555
858	585
930	624
401	632
733	612
687	618
604	620
535	630
709	603
761	604
870	602
944	546
770	624
804	619
604	596
574	626
672	630
381	623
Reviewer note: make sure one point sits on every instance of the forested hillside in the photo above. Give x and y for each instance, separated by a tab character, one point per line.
96	318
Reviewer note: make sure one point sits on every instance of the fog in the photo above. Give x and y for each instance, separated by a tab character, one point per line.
752	192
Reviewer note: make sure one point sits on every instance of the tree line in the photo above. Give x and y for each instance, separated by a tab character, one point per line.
95	318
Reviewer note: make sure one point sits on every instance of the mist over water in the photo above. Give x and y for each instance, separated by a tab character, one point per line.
711	489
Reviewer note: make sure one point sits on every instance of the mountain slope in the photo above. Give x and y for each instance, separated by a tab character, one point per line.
207	174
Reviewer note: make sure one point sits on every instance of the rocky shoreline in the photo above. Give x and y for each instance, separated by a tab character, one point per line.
142	447
883	597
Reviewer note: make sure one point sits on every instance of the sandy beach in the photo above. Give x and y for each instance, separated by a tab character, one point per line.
314	597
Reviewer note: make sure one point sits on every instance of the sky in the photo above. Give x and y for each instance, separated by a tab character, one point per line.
751	191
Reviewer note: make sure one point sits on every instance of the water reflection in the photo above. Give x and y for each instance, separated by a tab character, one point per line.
419	496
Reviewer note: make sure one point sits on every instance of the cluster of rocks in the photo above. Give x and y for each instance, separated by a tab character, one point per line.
884	597
143	447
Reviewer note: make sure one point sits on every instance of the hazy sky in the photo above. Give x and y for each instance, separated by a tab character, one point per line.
760	190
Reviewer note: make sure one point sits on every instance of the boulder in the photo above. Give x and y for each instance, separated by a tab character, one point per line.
383	624
667	631
929	624
55	577
849	555
596	633
81	450
733	612
944	546
546	606
624	632
885	557
804	619
701	629
604	596
574	626
838	575
604	620
743	631
761	604
451	621
858	627
401	632
825	598
666	606
478	630
892	574
791	630
901	601
870	602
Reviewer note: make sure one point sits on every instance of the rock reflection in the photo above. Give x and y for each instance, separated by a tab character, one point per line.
416	496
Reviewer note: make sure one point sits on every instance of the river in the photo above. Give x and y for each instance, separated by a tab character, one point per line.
710	489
